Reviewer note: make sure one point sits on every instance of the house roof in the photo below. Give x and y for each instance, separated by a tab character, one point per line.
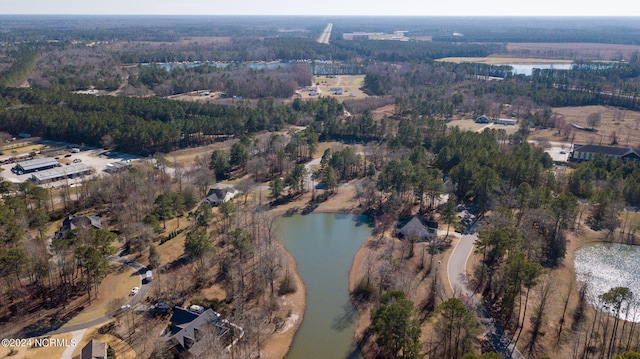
94	349
605	150
85	222
416	226
483	119
217	195
188	328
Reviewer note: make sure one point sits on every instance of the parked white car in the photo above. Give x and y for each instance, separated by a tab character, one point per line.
134	290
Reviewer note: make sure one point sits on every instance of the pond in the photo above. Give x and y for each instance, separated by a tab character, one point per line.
324	246
609	265
253	65
527	69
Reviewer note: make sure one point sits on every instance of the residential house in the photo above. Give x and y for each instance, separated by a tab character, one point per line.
215	196
583	153
483	119
82	222
94	350
417	226
190	333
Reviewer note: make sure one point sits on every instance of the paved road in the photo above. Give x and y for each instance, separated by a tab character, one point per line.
326	34
133	301
457	275
456	268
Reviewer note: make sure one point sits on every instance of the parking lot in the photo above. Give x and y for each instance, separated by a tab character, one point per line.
94	158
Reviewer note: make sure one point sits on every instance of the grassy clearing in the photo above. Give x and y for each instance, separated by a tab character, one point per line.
466	125
114	288
589	51
626	128
350	85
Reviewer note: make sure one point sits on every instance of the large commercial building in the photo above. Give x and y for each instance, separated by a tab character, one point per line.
38	164
59	173
588	152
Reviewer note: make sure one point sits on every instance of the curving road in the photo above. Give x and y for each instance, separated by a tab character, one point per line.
132	302
457	275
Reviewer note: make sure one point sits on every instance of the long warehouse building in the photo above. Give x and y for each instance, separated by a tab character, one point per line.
37	164
60	173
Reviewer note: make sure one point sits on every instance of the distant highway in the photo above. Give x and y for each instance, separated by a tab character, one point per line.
326	34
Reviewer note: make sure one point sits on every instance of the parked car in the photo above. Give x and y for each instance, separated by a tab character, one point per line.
77	160
67	155
134	290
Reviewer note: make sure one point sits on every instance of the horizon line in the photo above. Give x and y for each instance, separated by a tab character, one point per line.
340	15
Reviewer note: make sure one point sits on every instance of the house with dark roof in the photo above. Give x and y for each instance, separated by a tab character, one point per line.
82	222
190	333
483	119
583	153
215	196
417	226
94	350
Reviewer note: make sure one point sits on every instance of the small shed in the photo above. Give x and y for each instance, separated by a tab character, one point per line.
148	277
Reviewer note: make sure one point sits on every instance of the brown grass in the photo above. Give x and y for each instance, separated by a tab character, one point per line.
350	84
587	51
627	130
115	286
37	353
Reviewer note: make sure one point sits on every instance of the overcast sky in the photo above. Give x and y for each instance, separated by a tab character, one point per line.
326	7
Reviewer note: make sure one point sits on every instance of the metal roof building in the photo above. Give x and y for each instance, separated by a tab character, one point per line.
56	174
36	164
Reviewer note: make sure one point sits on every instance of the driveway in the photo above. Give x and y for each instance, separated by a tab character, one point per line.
133	301
457	275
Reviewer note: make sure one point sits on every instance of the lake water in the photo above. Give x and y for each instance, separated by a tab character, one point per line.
253	65
527	69
323	246
609	265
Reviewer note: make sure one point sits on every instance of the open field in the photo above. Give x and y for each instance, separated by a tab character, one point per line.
583	51
499	60
350	85
621	124
36	353
467	125
470	125
115	287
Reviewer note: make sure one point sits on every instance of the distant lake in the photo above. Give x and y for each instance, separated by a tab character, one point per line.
221	65
527	69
